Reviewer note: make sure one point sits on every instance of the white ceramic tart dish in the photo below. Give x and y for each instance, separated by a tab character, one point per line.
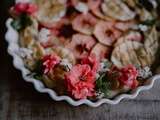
14	49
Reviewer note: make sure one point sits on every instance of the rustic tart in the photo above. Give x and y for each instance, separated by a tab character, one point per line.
89	49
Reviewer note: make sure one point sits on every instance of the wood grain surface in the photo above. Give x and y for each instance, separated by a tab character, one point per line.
20	101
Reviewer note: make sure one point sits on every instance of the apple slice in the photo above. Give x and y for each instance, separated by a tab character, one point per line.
101	51
81	45
84	23
106	33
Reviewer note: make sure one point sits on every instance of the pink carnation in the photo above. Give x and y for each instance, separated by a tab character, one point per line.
127	76
49	62
28	8
81	81
91	61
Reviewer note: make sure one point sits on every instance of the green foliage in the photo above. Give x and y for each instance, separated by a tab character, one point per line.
38	77
38	70
103	85
21	22
38	67
149	22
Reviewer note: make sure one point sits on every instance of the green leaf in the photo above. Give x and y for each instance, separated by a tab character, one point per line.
103	85
38	69
37	73
149	22
21	22
38	77
16	24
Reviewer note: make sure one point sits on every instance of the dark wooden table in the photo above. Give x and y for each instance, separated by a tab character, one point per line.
20	101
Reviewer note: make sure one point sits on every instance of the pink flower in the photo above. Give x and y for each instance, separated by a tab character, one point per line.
28	8
91	61
81	81
127	76
49	62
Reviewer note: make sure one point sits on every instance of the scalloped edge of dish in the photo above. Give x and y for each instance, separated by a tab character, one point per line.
11	37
